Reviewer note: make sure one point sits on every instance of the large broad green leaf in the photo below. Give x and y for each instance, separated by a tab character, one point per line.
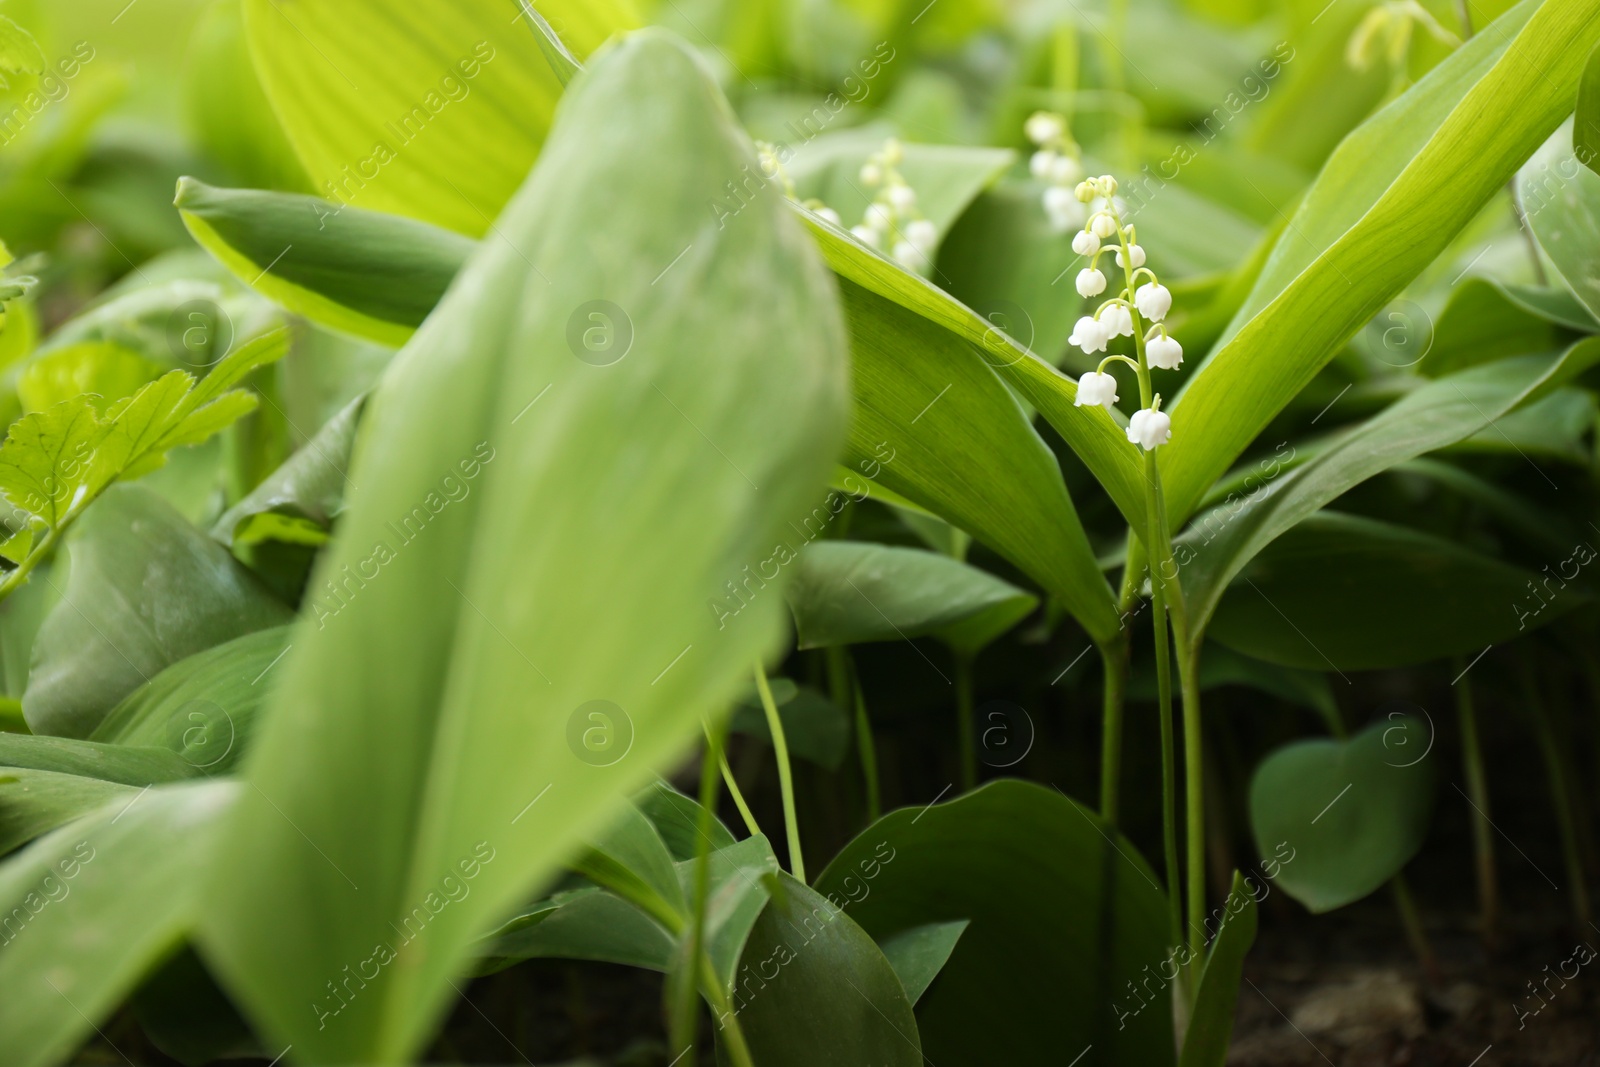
1586	116
1442	412
1338	592
383	101
1353	812
1064	913
203	707
125	764
1484	321
849	592
526	533
94	907
145	590
360	272
1561	200
300	499
677	820
35	801
1205	1043
1388	202
832	997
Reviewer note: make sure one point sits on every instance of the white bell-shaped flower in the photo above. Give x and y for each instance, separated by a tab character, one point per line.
1117	320
1150	428
1085	243
1103	225
1041	163
1096	388
910	256
1164	352
866	235
1153	301
902	198
1137	255
1091	335
878	217
828	215
1065	170
1091	282
1042	127
923	234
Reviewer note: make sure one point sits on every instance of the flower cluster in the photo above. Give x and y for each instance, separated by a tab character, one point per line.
1124	315
772	167
1056	162
892	221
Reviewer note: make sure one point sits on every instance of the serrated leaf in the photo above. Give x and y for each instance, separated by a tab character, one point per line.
48	458
19	52
104	368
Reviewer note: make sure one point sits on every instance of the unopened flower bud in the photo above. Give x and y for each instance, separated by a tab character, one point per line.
892	153
1084	192
1066	170
1040	163
1138	257
1096	388
1103	225
828	215
1043	127
866	235
871	174
910	256
902	198
877	216
923	235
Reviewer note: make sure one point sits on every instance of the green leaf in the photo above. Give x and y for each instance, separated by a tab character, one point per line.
145	590
1390	199
934	424
1586	120
96	914
19	52
563	64
1205	1043
124	764
632	861
47	459
204	706
1354	812
1064	913
1485	320
1442	412
805	1015
583	924
881	329
360	272
103	368
34	802
383	103
228	111
1560	198
736	379
677	820
1343	593
850	592
310	485
920	953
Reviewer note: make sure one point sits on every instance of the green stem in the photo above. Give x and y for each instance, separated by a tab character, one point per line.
869	755
1478	790
727	1018
1169	765
1560	796
969	754
1114	662
737	795
1411	920
684	1019
38	553
780	745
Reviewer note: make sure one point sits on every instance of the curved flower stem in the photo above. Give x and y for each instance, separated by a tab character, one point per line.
738	796
1168	600
780	745
869	754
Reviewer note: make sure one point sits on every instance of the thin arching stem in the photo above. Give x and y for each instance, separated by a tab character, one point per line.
780	746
